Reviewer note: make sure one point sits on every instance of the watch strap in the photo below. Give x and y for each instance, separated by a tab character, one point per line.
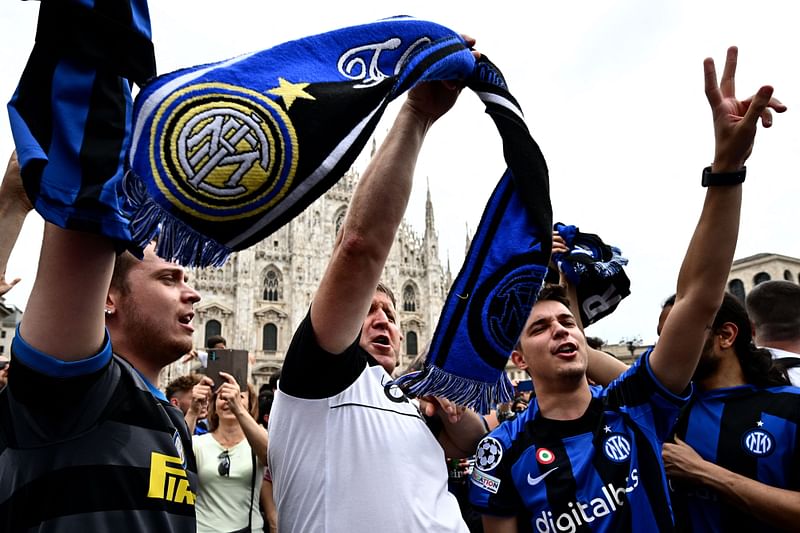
711	179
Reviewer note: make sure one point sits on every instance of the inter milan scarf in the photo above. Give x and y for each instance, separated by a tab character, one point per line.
222	155
225	154
491	298
596	271
70	114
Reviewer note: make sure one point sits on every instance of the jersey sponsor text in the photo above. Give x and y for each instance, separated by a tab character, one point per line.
169	482
581	513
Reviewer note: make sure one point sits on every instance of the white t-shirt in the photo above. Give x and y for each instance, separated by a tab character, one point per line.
359	461
794	372
222	501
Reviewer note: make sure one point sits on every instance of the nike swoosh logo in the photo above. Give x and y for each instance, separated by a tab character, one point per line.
536	480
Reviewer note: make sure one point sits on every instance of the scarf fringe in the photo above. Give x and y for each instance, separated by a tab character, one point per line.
176	241
479	396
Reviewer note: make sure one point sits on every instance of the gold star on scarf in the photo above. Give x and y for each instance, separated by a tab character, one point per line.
290	92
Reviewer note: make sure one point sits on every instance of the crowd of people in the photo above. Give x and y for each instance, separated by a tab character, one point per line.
699	434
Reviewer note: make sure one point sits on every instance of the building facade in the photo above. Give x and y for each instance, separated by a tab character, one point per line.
748	272
258	298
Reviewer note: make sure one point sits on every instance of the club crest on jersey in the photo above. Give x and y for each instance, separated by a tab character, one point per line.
176	440
617	447
394	393
489	454
758	442
544	456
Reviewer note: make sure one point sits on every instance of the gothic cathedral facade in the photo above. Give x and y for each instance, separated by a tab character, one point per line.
257	299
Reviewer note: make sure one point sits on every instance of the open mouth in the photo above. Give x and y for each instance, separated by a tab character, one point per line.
568	348
383	340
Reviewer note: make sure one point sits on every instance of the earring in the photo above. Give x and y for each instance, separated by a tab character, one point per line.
108	311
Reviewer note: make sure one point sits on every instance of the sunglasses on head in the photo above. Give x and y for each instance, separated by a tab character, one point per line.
224	467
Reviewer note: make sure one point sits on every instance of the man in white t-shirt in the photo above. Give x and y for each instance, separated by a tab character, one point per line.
774	308
348	450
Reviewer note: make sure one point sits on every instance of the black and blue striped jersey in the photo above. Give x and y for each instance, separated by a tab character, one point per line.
601	472
748	430
91	446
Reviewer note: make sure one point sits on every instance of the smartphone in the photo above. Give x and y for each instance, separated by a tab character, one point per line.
234	362
525	385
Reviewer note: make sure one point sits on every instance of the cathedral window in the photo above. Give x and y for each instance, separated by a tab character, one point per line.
409	299
213	328
269	342
338	220
272	286
787	275
411	343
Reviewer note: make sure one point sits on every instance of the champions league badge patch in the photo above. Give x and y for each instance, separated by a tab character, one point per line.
489	454
223	155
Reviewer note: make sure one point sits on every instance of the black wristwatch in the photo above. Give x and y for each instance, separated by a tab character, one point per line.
723	178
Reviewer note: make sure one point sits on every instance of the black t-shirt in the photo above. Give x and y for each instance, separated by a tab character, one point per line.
311	373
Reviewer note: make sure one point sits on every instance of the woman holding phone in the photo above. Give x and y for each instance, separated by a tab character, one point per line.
230	462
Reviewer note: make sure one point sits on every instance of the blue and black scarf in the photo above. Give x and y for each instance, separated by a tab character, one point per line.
595	269
219	156
70	114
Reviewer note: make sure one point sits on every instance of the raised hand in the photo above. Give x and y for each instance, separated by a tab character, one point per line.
735	121
201	396
231	393
433	99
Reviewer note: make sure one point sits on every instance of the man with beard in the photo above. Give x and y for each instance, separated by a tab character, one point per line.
584	458
87	440
736	453
735	462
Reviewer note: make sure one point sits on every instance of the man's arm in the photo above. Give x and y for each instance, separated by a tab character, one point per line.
376	210
462	428
14	207
778	507
703	274
64	314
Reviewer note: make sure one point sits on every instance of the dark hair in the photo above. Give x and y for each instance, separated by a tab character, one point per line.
554	293
265	400
387	291
181	384
213	340
669	301
774	307
123	264
756	363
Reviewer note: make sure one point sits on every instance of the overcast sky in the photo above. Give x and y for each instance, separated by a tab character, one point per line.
612	92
